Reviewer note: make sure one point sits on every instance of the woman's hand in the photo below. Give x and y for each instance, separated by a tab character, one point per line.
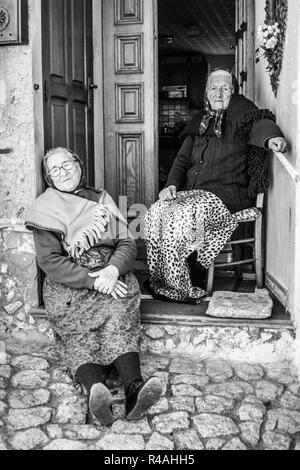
120	290
278	144
168	194
106	279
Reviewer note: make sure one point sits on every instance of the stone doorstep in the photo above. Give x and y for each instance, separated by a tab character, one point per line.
204	322
200	322
150	314
246	341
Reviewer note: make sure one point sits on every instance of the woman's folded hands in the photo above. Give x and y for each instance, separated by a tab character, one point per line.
107	282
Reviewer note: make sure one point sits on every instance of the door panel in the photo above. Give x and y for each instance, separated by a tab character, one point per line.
130	100
80	123
55	28
78	41
68	72
59	119
130	157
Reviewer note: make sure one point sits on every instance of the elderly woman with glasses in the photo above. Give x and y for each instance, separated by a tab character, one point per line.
220	168
91	296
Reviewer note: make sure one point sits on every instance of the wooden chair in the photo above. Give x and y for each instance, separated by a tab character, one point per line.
255	215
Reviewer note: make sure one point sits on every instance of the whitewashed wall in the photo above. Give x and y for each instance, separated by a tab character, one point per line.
281	206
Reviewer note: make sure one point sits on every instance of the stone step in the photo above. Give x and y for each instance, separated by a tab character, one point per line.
179	334
231	342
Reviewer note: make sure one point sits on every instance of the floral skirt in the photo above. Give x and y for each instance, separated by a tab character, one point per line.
92	327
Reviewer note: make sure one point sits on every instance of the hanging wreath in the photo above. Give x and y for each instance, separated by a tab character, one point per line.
271	37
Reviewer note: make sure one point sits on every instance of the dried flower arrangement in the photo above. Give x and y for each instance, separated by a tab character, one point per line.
271	37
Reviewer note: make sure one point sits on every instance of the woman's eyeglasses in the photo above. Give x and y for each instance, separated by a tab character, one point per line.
56	170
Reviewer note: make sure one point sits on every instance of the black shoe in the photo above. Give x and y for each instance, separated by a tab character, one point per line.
100	404
140	396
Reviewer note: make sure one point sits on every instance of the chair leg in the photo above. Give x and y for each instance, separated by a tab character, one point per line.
258	252
238	257
210	278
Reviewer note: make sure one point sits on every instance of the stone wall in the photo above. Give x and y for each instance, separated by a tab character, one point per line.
239	343
17	181
17	168
249	344
17	278
19	176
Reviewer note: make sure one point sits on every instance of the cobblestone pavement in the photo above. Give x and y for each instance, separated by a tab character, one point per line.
206	404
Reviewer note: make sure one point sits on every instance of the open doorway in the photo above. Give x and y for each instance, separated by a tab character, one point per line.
194	38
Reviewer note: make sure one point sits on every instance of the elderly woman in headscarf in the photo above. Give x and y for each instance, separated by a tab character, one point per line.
91	297
222	164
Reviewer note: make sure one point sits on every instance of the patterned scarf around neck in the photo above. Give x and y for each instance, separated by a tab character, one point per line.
210	114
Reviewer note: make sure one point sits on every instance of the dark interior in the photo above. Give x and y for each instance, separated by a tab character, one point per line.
195	37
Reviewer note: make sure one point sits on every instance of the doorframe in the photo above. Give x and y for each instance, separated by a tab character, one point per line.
295	307
99	148
37	82
245	48
156	95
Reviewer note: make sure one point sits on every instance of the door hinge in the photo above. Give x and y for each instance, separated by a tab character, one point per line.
244	77
46	91
240	32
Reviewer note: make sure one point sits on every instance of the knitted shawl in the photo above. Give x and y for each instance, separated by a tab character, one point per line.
81	223
243	114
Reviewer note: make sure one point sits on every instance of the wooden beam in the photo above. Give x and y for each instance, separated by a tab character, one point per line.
250	49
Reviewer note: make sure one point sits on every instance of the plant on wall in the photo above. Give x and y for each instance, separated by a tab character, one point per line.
271	37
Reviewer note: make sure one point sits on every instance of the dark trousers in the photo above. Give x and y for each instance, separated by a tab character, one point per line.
127	365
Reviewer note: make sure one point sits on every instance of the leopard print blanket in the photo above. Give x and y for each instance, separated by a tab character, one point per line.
196	221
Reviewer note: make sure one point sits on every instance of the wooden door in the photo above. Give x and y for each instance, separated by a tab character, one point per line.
68	77
245	46
130	100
